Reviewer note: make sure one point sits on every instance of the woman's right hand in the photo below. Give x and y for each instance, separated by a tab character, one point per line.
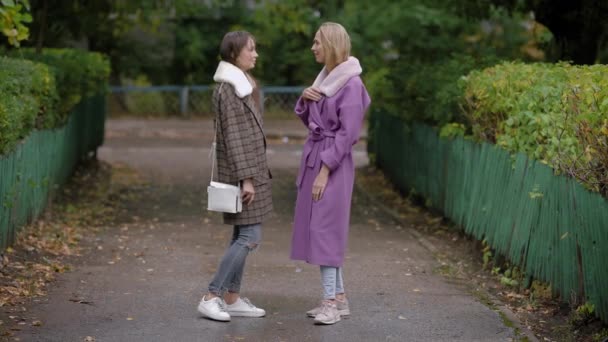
312	93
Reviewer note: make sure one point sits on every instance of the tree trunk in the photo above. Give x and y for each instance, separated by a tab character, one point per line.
42	14
577	26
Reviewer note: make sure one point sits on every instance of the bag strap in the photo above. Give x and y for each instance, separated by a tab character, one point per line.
213	152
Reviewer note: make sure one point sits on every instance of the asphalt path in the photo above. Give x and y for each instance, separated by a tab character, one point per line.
141	280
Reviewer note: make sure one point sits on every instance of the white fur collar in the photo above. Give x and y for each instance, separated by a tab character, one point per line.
227	72
330	83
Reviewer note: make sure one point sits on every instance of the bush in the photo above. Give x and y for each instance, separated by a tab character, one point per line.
435	91
41	95
27	96
555	113
79	74
414	54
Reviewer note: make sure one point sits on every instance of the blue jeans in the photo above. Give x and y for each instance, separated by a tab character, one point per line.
228	276
332	281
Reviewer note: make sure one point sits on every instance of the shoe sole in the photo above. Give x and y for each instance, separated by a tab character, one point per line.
343	313
219	319
246	314
328	322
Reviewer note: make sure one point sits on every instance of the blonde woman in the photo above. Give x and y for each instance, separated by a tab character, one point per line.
332	109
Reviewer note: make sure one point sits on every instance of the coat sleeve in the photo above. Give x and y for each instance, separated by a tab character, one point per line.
240	149
302	110
350	110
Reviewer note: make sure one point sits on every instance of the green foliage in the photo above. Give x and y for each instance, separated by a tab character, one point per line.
487	255
135	35
27	95
39	91
284	32
600	336
568	20
396	40
582	315
511	277
13	17
452	130
78	74
198	31
555	113
414	54
586	309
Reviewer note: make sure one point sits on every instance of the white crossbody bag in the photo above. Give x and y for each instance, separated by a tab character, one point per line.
222	197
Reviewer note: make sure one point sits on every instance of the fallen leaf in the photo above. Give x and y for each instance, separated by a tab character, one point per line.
80	301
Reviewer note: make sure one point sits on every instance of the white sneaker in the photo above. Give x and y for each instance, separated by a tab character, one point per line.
243	308
328	315
214	308
342	305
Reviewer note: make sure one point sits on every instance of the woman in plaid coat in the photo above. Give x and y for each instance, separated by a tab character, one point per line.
241	158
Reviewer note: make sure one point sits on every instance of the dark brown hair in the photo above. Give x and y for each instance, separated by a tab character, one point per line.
232	45
230	48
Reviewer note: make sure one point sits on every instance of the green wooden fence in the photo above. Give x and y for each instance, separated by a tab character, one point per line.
43	161
550	225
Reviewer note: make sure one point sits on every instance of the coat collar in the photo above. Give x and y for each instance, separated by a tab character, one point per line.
330	83
229	73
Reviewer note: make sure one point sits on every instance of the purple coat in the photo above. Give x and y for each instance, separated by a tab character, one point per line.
320	229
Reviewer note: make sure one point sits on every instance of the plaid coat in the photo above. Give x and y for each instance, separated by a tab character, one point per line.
241	151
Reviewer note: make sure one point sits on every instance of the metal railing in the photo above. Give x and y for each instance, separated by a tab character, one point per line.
192	100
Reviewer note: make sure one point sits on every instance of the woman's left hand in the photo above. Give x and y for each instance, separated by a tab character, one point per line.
318	187
248	191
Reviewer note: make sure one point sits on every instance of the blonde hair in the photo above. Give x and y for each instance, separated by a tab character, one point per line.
335	43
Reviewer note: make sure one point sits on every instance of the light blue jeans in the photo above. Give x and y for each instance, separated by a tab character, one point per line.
332	281
228	277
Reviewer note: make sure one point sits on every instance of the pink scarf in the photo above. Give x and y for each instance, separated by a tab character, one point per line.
331	83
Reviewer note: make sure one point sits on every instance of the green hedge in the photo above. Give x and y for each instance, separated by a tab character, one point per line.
79	74
554	113
40	163
41	95
27	95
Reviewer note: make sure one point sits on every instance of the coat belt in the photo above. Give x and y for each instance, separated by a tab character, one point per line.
317	135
